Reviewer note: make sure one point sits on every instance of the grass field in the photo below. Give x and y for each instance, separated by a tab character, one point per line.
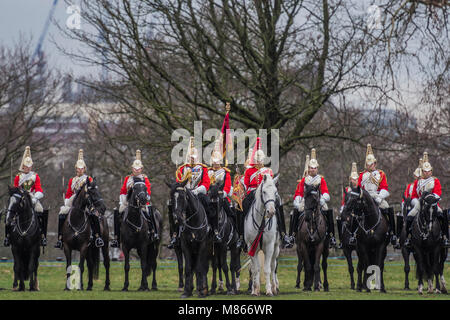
52	282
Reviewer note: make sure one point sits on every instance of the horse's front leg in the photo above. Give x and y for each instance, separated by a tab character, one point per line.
275	283
32	269
144	268
299	266
255	275
68	254
126	255
317	255
179	254
268	254
90	266
224	267
188	285
106	264
351	269
307	283
324	268
83	253
214	267
436	268
407	268
381	256
17	271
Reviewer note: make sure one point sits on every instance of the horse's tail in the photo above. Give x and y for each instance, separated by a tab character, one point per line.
94	256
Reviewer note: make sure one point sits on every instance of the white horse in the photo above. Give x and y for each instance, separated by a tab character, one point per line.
263	207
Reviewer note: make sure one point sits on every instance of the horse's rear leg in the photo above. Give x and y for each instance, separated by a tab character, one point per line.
318	254
299	267
144	268
31	270
126	254
83	252
180	268
214	276
359	270
275	283
381	256
18	277
106	264
256	287
154	265
90	266
224	268
324	269
267	269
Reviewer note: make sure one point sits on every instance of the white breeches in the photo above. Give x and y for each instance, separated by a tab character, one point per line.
414	211
301	206
38	207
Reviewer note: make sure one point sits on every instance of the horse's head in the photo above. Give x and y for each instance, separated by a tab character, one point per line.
93	195
19	200
178	198
354	201
268	194
312	197
216	192
137	195
428	202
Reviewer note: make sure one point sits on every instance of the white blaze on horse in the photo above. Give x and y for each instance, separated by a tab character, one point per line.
261	217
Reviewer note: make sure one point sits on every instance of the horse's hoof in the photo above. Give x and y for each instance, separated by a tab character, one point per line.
306	289
124	289
89	289
437	291
368	290
180	289
185	295
383	290
107	288
359	290
326	289
154	288
297	286
212	291
66	289
406	288
231	292
269	294
316	290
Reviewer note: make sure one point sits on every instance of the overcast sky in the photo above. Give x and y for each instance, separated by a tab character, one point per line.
27	18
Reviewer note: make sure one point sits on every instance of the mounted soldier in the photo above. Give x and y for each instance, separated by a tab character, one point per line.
198	182
30	182
253	177
312	178
353	182
136	167
374	181
74	185
427	184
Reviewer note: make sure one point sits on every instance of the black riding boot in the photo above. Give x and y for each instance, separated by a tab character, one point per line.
339	227
95	225
61	219
43	219
7	232
330	227
240	228
151	218
409	221
214	218
399	229
172	228
390	212
285	239
115	243
293	226
443	217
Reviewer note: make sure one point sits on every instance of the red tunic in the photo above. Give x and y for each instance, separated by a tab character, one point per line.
347	189
383	183
437	189
407	193
204	181
69	191
300	190
36	187
124	189
253	178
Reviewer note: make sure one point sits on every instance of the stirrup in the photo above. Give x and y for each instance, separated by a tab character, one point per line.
114	243
445	243
172	243
6	242
217	238
352	240
340	245
394	240
44	242
239	243
332	242
99	242
408	242
59	244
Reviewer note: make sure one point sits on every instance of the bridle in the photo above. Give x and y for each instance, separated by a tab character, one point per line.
361	218
261	214
32	219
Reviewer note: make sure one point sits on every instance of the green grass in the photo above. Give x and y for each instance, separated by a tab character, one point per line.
52	281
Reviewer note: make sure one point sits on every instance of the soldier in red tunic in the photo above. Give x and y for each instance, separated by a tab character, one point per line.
313	178
427	184
198	182
137	168
353	183
374	181
253	177
31	182
74	185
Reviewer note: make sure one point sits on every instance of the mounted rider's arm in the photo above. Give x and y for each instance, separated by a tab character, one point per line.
299	193
16	181
247	176
227	188
69	193
149	188
325	197
204	184
437	190
38	192
123	192
383	187
414	195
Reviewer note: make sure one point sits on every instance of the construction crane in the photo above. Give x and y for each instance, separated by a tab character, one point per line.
38	50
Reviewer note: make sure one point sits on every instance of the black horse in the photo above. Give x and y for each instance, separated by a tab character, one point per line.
372	236
312	242
195	237
134	232
87	208
347	234
25	238
426	242
229	235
